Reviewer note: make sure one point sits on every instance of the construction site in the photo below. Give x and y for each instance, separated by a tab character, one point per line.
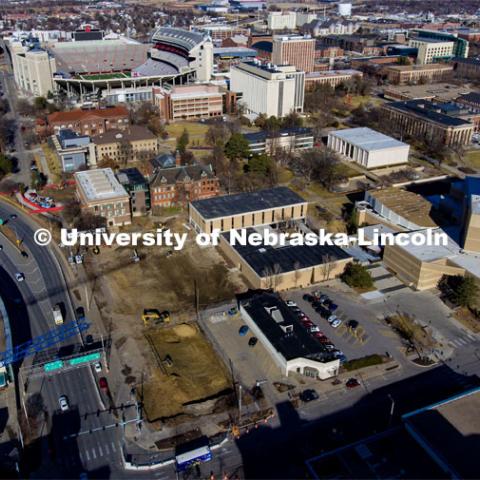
149	307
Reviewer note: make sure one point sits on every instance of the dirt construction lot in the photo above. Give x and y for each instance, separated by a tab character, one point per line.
163	280
166	281
193	372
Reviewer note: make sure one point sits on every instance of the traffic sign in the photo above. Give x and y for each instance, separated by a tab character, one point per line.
50	367
85	358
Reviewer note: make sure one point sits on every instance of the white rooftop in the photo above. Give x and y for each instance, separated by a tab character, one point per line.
470	261
100	184
367	139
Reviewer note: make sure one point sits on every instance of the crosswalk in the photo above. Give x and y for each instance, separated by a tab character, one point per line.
89	454
463	340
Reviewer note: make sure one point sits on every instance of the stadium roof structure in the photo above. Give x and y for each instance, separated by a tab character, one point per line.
179	37
98	56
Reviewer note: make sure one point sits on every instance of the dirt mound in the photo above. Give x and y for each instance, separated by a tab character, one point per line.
185	331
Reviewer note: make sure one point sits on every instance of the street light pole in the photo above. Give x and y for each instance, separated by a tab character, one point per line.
392	408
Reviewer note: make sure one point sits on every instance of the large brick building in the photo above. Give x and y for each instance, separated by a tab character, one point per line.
180	184
423	118
90	122
402	74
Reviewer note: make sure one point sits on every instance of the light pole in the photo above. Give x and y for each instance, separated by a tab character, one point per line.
392	408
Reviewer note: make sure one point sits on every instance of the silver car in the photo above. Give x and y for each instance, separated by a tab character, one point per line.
63	401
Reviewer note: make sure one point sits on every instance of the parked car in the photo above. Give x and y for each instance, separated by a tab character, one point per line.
336	323
80	312
97	367
308	298
243	330
352	383
308	395
313	329
331	318
63	402
323	298
13	216
291	303
88	340
20	277
102	382
333	307
252	342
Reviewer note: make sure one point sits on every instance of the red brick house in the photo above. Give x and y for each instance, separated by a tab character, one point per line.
90	122
178	185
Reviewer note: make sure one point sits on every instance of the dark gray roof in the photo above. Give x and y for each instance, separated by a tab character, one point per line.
165	160
178	36
239	203
266	259
426	109
297	344
254	137
172	175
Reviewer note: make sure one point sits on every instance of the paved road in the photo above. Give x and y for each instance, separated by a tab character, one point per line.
30	303
10	91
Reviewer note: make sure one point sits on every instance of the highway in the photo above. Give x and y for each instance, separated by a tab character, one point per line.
30	307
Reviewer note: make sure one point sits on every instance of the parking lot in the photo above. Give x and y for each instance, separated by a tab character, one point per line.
369	337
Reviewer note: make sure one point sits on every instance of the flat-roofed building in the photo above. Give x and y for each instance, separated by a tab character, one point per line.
330	77
402	74
466	67
269	89
421	266
431	50
284	267
241	210
442	92
100	193
131	145
282	20
290	140
33	69
295	50
400	208
136	185
419	118
190	101
74	151
291	347
471	214
368	148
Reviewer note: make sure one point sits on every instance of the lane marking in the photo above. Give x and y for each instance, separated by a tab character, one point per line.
94	453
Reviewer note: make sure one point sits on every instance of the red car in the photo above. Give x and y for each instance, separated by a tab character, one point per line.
307	324
102	382
320	335
352	383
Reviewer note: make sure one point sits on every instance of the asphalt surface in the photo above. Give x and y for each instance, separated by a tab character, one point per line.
29	304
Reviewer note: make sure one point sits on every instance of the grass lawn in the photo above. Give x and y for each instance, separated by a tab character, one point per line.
52	161
194	129
347	171
284	175
472	159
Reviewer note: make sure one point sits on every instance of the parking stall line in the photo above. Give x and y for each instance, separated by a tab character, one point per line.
87	455
107	451
94	455
100	451
113	447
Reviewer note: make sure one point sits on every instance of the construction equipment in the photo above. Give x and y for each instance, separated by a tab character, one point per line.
153	315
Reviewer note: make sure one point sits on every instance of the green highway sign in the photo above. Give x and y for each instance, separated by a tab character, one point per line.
49	367
85	359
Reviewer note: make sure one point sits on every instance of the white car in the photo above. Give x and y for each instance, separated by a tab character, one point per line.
20	277
98	367
63	403
331	318
336	323
291	303
314	329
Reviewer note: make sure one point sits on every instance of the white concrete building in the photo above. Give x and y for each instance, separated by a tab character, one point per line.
269	89
305	17
282	21
33	69
368	148
290	346
430	50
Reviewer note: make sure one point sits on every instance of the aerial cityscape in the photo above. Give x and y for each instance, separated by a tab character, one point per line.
239	239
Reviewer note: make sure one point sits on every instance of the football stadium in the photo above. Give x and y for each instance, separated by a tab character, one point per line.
125	70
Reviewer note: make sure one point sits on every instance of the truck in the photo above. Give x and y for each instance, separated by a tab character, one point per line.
57	314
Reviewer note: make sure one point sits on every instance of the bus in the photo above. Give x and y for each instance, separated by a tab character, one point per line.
193	457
